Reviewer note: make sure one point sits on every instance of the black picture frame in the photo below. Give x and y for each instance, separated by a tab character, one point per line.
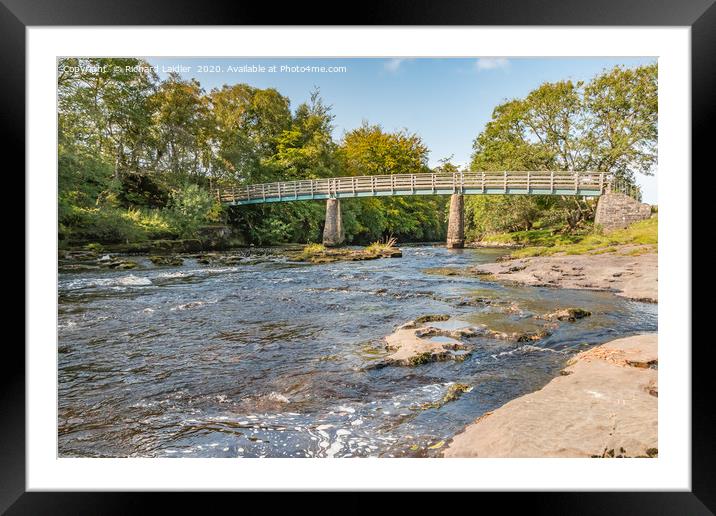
700	15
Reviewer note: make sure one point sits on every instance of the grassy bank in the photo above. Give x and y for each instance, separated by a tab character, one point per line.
544	242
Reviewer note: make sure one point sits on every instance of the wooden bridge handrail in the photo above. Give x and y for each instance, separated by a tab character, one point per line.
528	181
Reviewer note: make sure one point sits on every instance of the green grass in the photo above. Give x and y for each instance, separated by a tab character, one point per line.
312	252
643	233
534	237
311	249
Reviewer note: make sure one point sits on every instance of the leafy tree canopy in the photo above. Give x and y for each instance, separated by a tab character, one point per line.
608	124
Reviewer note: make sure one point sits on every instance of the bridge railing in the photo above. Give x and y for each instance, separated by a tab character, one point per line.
620	185
577	183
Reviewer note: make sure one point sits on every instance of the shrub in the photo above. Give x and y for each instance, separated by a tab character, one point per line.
189	208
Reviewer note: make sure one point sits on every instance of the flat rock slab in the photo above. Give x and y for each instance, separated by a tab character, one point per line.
633	277
604	405
411	349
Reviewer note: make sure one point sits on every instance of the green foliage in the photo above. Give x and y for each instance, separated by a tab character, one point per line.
138	156
189	208
249	122
498	213
183	128
370	150
622	129
535	237
307	149
608	124
280	222
114	225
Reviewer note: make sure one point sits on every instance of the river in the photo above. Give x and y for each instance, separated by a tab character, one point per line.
273	359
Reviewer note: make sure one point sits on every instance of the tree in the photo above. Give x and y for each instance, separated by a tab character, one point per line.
306	150
622	130
182	122
303	150
608	124
249	123
103	108
368	150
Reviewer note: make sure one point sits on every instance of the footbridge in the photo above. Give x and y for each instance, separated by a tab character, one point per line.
333	189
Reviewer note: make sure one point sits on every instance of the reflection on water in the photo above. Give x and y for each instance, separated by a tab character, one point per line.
270	359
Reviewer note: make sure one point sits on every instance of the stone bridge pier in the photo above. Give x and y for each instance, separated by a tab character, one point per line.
617	210
456	222
333	234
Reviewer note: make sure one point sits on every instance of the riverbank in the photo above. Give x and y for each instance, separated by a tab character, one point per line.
604	404
623	261
624	271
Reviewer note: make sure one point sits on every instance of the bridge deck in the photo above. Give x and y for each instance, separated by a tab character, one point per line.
474	183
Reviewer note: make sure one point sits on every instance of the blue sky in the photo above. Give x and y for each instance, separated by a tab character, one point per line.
446	101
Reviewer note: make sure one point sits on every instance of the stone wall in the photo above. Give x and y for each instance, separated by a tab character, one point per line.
618	210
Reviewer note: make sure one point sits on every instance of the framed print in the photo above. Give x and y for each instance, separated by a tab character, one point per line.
440	248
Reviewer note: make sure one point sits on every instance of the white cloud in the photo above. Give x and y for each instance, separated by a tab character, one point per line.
392	65
491	63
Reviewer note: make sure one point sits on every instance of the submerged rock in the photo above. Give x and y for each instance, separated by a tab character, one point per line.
457	271
77	267
453	393
444	271
431	318
517	336
565	314
121	264
166	260
436	337
219	259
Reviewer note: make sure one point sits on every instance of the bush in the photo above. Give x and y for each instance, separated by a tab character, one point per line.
189	208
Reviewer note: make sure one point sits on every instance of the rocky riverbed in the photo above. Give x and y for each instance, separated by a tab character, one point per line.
250	353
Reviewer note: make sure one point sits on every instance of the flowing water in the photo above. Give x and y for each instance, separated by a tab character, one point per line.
273	359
